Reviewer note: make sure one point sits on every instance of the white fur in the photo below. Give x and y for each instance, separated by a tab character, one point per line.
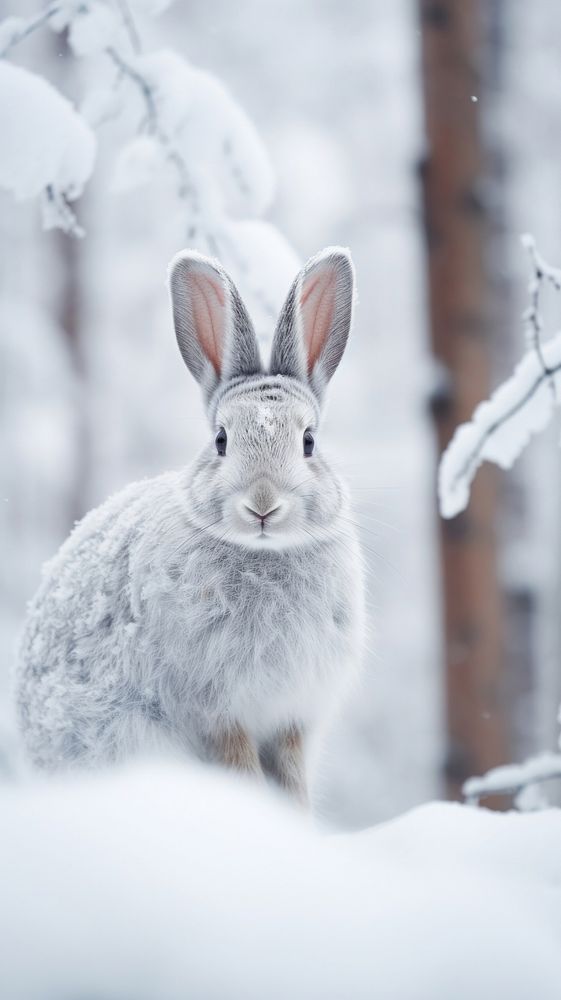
172	613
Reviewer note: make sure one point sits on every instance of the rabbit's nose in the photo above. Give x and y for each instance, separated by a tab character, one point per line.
262	498
261	516
261	501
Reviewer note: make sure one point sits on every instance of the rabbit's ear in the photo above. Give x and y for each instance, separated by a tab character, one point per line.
213	329
315	321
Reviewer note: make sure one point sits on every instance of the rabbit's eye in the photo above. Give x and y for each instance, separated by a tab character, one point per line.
308	443
220	441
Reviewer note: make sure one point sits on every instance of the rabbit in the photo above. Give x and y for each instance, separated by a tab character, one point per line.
215	611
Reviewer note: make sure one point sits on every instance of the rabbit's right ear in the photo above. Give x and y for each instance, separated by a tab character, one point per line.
314	324
213	329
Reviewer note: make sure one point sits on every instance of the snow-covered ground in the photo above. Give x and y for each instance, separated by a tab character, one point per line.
168	882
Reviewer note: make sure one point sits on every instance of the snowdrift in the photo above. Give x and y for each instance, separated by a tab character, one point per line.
165	882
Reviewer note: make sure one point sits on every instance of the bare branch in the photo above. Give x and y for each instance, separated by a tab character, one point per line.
130	25
541	271
29	25
146	91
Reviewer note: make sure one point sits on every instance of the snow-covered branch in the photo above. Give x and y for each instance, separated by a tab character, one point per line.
152	125
498	432
512	779
14	30
523	405
47	152
186	123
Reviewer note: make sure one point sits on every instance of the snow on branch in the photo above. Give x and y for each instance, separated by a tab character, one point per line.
47	148
231	168
186	124
187	121
513	779
502	426
14	30
150	125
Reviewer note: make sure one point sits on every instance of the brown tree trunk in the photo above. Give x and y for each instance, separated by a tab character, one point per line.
459	294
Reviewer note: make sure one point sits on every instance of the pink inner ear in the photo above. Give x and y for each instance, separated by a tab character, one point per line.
317	304
209	316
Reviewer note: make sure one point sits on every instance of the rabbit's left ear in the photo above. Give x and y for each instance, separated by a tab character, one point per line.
316	319
214	332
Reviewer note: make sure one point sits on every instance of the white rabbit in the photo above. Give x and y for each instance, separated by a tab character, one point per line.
217	609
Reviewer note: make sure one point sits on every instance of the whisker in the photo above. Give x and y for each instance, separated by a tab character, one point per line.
195	535
308	479
373	519
375	554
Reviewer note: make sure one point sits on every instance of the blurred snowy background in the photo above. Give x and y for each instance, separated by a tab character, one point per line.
94	393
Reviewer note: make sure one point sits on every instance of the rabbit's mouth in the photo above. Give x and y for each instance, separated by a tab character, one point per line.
262	519
269	515
262	512
262	516
265	526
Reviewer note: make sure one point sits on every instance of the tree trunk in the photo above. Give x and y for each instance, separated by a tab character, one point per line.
460	320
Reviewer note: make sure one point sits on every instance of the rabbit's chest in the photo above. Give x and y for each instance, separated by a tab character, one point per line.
259	632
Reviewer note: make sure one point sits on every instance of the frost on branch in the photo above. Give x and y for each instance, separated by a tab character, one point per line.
46	147
502	426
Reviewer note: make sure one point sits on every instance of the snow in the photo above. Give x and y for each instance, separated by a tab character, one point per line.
101	104
137	164
522	406
202	131
501	426
266	264
150	7
512	777
32	355
65	11
44	141
39	448
226	158
92	29
10	30
167	881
